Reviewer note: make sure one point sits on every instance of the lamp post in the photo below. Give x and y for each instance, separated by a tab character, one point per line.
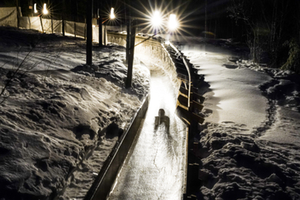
156	21
131	29
63	17
18	13
100	27
89	14
111	16
89	40
44	12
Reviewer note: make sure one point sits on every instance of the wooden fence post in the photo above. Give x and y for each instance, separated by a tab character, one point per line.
89	40
100	31
42	26
18	14
130	53
52	24
127	40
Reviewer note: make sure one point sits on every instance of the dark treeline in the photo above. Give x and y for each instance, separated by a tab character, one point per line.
271	29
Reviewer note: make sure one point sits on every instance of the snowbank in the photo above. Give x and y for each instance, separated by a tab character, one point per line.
249	146
60	118
283	114
236	166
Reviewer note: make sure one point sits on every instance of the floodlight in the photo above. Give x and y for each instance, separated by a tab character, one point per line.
112	14
173	23
156	19
34	8
45	11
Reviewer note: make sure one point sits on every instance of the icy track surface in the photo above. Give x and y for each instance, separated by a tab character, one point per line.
54	111
156	168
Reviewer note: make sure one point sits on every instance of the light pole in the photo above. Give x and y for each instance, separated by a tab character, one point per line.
89	40
205	18
100	27
112	16
156	21
131	28
18	14
63	17
44	12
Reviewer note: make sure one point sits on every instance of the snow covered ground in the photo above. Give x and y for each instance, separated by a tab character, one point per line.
59	118
249	146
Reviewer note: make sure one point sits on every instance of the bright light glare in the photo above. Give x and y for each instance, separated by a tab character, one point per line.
112	14
45	11
173	23
156	19
34	8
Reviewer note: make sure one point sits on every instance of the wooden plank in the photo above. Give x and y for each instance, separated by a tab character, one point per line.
196	105
188	116
183	100
182	77
196	96
182	94
181	71
178	104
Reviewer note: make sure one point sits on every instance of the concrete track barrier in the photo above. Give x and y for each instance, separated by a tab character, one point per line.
106	177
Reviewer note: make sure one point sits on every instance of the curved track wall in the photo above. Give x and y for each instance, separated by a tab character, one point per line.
153	53
106	177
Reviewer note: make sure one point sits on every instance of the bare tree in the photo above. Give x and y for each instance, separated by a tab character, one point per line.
265	23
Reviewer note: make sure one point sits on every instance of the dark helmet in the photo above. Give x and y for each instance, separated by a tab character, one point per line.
161	112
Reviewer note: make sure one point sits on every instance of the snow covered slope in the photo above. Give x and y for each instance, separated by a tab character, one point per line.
55	112
249	146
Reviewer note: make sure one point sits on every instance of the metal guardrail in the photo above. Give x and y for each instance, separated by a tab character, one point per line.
188	102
